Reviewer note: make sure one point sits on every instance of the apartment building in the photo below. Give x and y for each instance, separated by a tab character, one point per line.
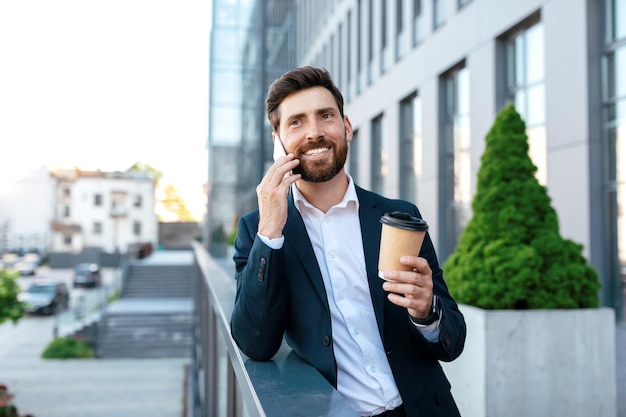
105	210
68	211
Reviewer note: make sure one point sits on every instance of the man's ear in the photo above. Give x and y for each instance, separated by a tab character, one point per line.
348	126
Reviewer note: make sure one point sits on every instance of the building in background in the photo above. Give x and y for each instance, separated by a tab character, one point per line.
26	213
423	81
251	45
70	211
105	210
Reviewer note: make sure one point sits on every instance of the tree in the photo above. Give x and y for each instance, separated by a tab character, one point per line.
511	255
173	203
141	167
10	307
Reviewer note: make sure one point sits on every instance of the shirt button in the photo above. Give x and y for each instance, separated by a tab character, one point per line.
326	340
373	369
356	332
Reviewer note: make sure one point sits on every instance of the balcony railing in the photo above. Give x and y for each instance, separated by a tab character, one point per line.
225	383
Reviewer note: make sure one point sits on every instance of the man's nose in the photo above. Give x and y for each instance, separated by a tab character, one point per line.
315	130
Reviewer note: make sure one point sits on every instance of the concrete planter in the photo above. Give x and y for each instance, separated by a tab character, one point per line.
520	363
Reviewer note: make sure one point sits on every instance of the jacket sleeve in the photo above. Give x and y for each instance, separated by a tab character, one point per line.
452	328
259	315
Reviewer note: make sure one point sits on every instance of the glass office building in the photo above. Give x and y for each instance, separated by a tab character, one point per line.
250	46
423	81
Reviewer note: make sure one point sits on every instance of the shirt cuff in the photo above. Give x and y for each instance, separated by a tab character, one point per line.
276	243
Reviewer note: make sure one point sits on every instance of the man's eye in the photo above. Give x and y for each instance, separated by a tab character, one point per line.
294	123
326	116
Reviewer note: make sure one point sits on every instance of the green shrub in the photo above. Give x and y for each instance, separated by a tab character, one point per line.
10	307
68	348
511	255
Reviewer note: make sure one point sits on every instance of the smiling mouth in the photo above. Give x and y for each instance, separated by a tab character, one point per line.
316	151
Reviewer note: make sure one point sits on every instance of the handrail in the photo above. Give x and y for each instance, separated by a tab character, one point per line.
225	382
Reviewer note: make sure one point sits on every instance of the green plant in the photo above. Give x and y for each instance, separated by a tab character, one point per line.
511	255
10	307
68	348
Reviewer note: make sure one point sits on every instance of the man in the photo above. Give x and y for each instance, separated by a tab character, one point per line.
306	265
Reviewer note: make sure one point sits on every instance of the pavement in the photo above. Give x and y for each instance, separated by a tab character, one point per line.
122	387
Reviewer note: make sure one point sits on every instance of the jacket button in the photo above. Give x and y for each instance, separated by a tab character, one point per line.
326	340
260	276
263	260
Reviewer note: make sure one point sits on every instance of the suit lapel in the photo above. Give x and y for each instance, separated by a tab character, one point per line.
297	238
369	217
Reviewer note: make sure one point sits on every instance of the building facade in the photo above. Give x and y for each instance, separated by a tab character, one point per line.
104	210
251	45
424	79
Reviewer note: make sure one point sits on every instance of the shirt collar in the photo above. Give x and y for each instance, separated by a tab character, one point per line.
349	196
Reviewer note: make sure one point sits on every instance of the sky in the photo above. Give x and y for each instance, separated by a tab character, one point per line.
102	84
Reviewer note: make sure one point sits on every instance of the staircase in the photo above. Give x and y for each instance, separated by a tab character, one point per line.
153	317
158	281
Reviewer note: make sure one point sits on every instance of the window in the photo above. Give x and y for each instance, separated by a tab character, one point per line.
138	201
438	15
400	45
370	43
411	146
97	200
384	50
67	192
137	228
359	45
417	22
526	89
97	228
67	240
455	163
461	3
614	143
66	211
379	155
349	57
354	156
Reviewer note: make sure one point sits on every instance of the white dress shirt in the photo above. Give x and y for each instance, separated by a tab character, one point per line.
364	377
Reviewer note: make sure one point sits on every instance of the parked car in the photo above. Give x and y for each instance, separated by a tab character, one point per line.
45	296
25	268
86	275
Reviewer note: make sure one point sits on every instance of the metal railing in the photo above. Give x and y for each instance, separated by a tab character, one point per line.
225	383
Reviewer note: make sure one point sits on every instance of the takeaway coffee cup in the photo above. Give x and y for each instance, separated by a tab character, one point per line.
402	234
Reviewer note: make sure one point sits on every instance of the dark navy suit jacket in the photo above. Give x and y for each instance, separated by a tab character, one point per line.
281	293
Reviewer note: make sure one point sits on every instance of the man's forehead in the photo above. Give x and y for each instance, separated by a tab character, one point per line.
308	100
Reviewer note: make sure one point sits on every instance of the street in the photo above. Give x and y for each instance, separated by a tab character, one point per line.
83	301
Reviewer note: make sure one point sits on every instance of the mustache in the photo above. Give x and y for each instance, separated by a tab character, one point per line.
320	143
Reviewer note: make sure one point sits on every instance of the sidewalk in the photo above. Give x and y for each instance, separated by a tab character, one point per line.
85	388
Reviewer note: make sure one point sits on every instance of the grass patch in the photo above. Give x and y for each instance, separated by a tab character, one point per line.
68	348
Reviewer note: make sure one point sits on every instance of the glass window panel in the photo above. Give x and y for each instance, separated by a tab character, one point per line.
537	151
520	61
620	72
534	54
437	13
536	111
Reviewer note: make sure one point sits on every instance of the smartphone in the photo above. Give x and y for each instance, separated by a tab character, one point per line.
279	150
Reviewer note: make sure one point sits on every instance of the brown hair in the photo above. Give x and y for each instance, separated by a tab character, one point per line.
295	80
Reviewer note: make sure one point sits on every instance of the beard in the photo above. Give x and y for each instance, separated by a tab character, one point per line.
322	170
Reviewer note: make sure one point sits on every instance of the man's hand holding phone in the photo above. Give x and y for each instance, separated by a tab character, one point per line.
273	189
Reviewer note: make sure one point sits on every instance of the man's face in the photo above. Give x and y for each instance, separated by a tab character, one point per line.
312	127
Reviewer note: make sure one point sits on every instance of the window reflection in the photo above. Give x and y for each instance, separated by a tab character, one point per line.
526	83
456	163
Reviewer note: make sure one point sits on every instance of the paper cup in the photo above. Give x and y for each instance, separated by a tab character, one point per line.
402	234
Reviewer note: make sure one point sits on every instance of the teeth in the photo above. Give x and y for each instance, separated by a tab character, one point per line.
316	151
